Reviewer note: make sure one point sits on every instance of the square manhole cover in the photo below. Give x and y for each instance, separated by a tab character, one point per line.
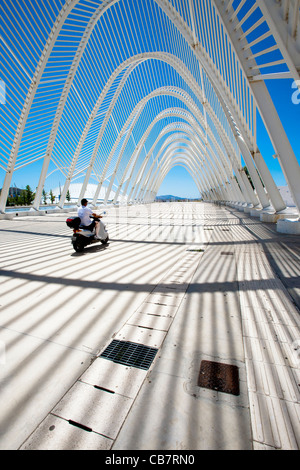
130	354
220	377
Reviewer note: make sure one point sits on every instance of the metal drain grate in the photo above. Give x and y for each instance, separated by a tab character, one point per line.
220	377
226	253
130	354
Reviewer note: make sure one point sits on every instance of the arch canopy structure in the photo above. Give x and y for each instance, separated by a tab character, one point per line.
115	93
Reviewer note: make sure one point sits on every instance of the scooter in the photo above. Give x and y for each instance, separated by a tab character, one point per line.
82	237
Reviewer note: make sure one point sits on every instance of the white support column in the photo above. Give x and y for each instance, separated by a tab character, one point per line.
238	195
263	199
64	193
275	196
281	144
85	183
115	199
248	188
243	190
111	182
43	174
5	191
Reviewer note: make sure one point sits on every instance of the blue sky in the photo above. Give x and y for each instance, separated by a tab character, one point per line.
178	182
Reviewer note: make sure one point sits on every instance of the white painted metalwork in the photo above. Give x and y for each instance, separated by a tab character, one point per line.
121	91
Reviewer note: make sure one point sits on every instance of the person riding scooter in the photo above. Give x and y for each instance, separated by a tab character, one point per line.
84	212
86	232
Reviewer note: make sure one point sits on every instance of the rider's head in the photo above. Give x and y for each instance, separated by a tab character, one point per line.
84	202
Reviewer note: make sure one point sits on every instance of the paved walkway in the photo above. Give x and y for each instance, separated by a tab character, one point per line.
197	282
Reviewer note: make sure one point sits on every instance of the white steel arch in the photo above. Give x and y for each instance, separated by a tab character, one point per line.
169	161
177	161
168	91
82	94
211	179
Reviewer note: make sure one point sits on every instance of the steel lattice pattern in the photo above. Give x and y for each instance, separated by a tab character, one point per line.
105	98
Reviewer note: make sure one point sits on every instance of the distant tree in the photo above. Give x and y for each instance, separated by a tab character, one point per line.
11	201
52	197
45	195
68	196
24	197
27	196
21	199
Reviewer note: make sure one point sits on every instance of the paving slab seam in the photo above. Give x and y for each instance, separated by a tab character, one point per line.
95	408
270	324
172	411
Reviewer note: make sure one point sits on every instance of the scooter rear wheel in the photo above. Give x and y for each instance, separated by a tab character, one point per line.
78	246
105	241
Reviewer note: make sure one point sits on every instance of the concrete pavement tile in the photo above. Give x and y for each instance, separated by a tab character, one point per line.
158	308
36	374
136	334
99	410
275	421
182	422
150	321
58	434
274	380
121	379
166	299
